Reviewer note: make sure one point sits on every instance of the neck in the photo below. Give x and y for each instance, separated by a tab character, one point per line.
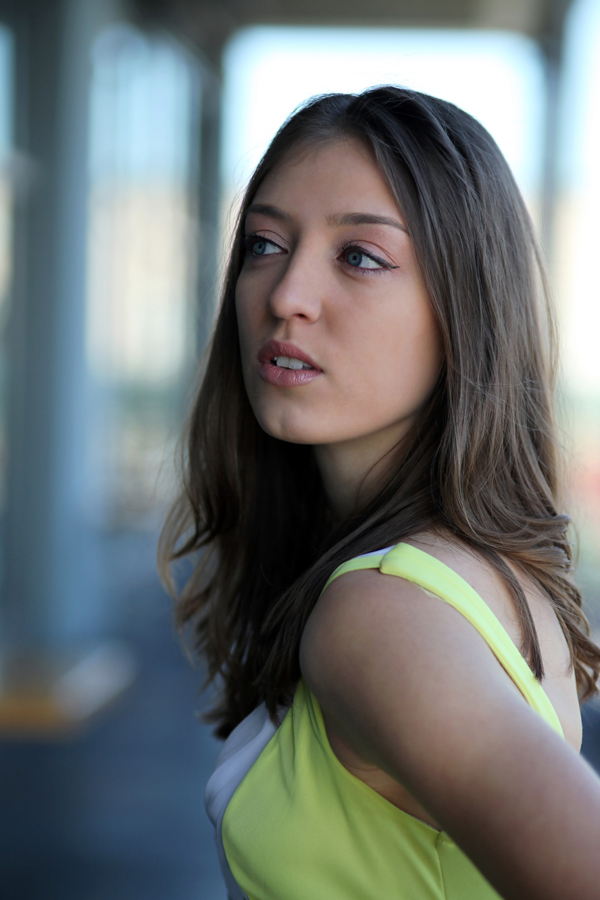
353	471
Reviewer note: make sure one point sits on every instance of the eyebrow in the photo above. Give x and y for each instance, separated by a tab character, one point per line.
265	209
337	220
365	219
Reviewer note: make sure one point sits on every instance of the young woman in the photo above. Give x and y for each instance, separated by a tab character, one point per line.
382	582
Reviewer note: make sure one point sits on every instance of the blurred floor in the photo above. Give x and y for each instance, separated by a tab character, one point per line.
117	813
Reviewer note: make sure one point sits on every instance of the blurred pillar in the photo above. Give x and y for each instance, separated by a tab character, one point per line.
209	200
55	672
51	595
551	44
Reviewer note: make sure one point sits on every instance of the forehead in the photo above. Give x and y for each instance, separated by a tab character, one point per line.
333	177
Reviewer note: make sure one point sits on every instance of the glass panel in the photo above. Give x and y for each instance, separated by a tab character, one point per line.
142	234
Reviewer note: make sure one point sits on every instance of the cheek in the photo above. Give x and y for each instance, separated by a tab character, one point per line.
396	370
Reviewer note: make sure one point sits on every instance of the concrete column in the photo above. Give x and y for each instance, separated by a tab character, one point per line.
50	592
551	44
209	200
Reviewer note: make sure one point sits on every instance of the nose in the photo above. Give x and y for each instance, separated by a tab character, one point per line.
299	291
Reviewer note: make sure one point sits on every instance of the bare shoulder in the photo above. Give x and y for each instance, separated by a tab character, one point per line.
404	678
364	615
378	648
559	678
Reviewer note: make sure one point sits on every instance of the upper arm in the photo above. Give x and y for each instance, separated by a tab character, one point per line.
416	690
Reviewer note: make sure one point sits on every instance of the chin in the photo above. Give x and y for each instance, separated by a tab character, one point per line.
291	429
292	435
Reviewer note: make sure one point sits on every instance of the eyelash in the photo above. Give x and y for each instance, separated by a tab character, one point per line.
384	265
250	239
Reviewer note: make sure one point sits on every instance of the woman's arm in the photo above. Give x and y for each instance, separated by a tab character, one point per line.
415	690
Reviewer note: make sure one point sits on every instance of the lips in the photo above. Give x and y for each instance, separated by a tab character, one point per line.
282	377
282	348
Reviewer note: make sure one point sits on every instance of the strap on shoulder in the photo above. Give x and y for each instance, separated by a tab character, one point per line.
367	561
434	576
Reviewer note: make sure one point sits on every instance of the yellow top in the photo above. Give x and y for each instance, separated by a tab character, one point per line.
301	827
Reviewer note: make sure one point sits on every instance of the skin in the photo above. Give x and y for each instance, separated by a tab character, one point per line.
414	702
304	291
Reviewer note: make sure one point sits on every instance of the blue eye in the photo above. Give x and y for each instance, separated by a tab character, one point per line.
256	245
360	259
259	247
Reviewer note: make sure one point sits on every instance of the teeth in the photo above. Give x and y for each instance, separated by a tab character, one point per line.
289	362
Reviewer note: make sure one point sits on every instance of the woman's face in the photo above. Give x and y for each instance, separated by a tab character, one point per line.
337	335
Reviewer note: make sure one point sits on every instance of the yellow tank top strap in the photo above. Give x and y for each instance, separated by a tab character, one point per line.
368	561
429	573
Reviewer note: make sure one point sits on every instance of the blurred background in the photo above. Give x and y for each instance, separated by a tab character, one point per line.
127	132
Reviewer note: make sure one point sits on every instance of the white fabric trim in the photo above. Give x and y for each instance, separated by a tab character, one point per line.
238	754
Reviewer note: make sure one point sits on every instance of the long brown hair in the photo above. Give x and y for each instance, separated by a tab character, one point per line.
481	463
